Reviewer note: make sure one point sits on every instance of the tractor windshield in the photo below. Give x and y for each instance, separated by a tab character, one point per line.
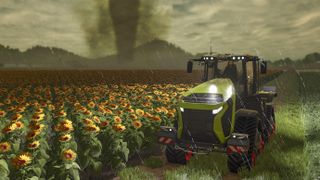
229	69
232	70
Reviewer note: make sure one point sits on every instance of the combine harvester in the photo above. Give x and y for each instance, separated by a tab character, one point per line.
229	112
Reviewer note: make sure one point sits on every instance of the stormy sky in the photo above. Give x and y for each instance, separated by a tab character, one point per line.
272	29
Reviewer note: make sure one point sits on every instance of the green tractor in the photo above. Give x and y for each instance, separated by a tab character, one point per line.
229	112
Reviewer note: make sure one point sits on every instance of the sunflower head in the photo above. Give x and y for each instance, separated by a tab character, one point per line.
133	116
19	124
137	124
5	147
16	117
69	155
91	104
22	160
156	118
140	112
96	119
32	134
2	113
34	145
65	138
10	128
37	117
87	121
92	128
104	124
117	119
119	127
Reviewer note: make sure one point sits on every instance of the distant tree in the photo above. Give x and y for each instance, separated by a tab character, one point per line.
311	58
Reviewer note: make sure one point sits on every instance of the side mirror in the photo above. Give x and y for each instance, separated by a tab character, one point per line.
189	66
263	67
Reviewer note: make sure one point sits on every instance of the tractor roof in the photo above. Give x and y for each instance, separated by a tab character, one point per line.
228	57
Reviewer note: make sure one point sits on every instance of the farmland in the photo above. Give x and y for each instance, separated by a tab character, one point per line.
74	124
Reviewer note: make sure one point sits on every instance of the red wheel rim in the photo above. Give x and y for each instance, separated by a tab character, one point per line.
253	159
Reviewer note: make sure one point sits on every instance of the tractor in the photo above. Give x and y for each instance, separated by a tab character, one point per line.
230	112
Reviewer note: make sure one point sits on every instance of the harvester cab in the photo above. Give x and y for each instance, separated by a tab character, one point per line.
229	112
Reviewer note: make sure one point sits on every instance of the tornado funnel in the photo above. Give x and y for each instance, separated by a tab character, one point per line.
125	19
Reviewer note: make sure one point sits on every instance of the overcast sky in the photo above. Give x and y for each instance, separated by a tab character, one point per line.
272	29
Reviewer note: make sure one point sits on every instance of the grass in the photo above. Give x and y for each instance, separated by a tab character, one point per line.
210	166
289	155
311	113
154	162
134	173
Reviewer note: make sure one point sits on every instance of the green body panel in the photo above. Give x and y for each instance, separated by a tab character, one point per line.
216	86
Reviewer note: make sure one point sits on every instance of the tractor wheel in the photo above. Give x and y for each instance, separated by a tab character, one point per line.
247	126
175	156
271	119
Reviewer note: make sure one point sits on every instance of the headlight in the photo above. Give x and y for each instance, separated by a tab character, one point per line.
216	111
208	98
181	109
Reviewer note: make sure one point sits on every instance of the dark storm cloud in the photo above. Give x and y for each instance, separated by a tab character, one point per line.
270	28
255	26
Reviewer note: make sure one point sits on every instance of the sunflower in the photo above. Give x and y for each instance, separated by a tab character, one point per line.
5	147
96	119
11	108
148	115
104	123
69	155
34	145
87	121
146	104
88	113
37	127
32	134
2	113
171	114
61	113
130	110
51	107
92	128
117	119
133	116
114	106
65	138
22	160
140	112
119	127
158	110
10	128
16	117
137	124
108	111
65	126
164	110
19	124
91	104
38	117
39	110
156	118
120	112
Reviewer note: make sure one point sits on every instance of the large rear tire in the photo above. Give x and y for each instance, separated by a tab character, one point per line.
175	156
237	161
271	122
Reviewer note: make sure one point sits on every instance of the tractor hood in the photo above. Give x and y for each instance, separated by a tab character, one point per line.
219	89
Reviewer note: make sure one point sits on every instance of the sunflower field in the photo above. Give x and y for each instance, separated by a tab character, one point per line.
57	131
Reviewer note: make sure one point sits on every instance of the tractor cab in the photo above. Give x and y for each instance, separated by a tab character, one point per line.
243	70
